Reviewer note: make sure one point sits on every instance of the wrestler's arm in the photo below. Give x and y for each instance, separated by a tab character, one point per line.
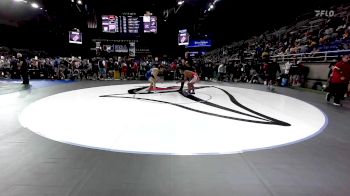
155	76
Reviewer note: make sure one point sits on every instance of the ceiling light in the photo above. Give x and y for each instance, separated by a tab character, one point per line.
79	2
180	2
35	5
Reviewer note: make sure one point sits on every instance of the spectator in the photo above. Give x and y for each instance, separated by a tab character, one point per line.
339	81
173	68
230	71
24	68
304	72
210	71
95	69
294	73
2	66
274	68
102	69
124	72
331	66
221	72
135	70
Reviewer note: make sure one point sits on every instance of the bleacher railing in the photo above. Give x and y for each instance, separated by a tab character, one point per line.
312	57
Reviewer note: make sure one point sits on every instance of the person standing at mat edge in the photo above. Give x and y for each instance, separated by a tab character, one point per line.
339	80
22	63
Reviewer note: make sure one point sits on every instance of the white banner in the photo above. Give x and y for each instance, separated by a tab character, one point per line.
121	48
132	49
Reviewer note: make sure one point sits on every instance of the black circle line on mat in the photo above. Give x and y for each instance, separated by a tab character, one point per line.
265	119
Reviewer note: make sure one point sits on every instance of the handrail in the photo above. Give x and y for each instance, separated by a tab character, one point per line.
311	53
311	56
324	56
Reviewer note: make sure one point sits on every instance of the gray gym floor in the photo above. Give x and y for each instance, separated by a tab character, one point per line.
35	166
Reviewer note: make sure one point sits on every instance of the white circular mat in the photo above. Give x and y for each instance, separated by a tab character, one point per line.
216	120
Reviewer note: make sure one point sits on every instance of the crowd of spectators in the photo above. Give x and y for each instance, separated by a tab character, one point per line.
73	68
244	61
99	68
266	72
251	60
96	68
308	36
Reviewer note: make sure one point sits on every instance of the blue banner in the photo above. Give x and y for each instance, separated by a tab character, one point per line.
199	43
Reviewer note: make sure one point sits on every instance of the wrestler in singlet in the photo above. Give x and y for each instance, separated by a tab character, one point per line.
193	78
152	77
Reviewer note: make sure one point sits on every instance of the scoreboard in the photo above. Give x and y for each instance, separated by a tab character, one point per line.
110	24
149	24
184	37
133	24
129	24
75	37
